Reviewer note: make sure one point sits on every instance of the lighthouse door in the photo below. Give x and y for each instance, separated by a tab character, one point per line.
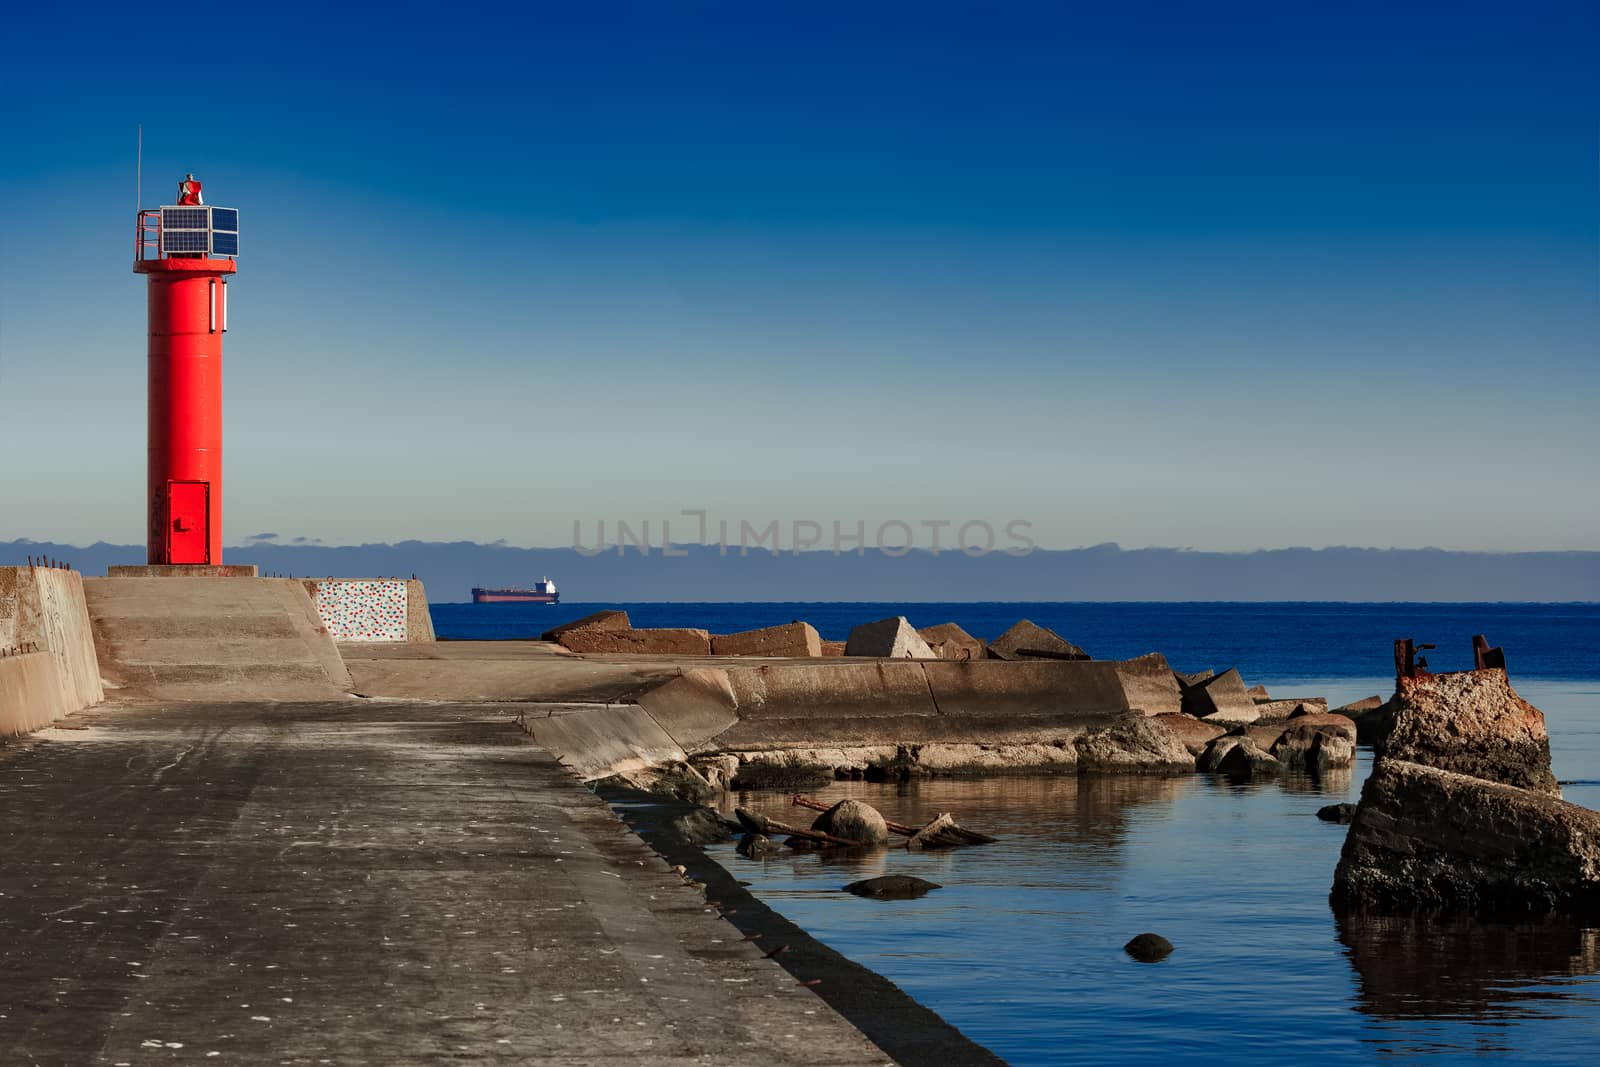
188	539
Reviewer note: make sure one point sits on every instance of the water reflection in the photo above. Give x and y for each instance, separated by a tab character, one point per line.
1414	968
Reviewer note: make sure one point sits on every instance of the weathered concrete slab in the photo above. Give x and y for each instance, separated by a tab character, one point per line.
664	641
44	607
793	639
1472	722
892	638
184	638
1027	636
1150	685
694	707
813	691
997	690
600	620
598	740
950	641
30	693
358	883
494	671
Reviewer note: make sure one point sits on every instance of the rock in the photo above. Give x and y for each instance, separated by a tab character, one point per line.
1195	733
892	887
660	642
1238	757
1149	684
757	846
1025	636
1373	726
1425	839
889	639
1148	948
794	639
1259	694
680	781
1362	706
600	620
1291	707
701	826
719	769
958	758
1471	722
950	641
1221	699
1134	743
1303	738
781	774
854	821
1339	813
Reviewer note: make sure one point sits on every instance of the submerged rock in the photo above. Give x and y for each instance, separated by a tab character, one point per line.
1148	948
1339	813
1426	839
1134	743
892	887
854	821
1471	722
757	846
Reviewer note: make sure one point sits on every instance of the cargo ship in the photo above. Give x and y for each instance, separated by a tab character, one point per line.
543	592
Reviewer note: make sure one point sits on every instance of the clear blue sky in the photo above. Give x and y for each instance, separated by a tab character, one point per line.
1218	275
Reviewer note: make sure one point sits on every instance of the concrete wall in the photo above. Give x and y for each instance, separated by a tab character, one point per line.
44	607
372	610
30	693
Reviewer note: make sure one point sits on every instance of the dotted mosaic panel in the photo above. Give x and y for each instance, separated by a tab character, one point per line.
363	611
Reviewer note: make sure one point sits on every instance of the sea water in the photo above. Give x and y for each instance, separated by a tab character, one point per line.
1022	947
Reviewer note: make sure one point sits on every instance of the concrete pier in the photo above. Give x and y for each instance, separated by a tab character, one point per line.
360	882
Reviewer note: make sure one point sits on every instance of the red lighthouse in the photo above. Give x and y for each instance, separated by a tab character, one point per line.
186	253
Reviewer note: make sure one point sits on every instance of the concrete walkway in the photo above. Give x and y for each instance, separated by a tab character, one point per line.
357	883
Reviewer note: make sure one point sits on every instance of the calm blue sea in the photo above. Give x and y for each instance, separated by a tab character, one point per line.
1022	948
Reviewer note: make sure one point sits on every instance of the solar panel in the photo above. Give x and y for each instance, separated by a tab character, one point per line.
184	241
224	244
184	218
224	218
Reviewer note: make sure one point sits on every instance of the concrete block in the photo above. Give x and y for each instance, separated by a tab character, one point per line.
30	693
666	641
996	691
810	691
45	606
833	648
1223	696
184	570
794	639
419	620
694	707
600	620
1150	685
602	740
893	638
1027	636
950	641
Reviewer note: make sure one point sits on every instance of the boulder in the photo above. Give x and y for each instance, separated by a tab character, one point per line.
1135	743
1195	733
791	639
854	821
1259	694
1425	839
1339	813
1025	637
660	642
892	887
1292	706
1148	948
1316	742
1471	722
1244	759
1221	699
950	641
889	639
757	846
600	620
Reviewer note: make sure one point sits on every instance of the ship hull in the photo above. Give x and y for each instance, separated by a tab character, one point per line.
513	596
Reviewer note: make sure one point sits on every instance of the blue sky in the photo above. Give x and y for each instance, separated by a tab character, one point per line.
1224	276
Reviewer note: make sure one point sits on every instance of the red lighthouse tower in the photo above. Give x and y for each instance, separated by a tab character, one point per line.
186	253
